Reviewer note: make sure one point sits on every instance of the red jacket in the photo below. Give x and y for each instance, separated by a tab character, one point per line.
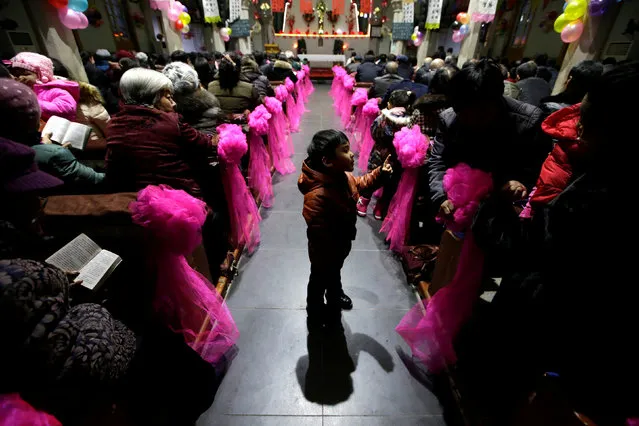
146	146
557	170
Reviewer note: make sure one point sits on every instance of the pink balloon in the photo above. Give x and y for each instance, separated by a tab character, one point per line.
572	31
173	14
71	19
160	4
457	36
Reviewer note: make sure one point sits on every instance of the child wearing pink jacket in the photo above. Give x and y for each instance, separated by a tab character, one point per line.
55	96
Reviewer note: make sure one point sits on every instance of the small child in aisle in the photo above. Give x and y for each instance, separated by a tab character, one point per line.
330	196
398	114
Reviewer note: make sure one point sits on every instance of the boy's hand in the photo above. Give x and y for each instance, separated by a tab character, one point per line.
387	168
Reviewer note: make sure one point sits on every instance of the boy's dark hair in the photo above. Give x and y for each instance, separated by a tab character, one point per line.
259	57
392	58
369	58
402	99
481	81
324	144
59	69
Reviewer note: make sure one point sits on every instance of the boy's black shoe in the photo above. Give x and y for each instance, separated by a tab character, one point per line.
345	302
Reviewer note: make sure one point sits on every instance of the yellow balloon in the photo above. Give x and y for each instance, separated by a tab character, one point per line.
576	9
185	18
561	22
413	37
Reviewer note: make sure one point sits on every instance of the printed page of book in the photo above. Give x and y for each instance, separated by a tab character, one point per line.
98	269
75	255
78	134
57	126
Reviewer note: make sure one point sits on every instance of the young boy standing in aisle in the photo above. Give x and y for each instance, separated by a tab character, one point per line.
330	210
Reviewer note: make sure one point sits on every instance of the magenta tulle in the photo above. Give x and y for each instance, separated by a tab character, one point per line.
299	87
465	187
431	335
278	136
292	108
281	93
337	89
345	101
186	301
411	147
307	83
259	163
14	411
358	100
243	212
527	211
370	111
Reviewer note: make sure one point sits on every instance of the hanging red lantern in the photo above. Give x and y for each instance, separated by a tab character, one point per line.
256	16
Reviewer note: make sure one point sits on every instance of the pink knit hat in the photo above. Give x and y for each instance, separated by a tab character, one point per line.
34	62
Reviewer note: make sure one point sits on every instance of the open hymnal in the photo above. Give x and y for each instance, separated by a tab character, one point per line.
82	254
63	131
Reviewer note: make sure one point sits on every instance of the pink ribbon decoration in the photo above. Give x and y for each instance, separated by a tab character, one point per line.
243	212
292	108
259	173
411	146
345	105
430	335
370	111
465	187
308	84
277	137
299	87
337	86
14	411
358	100
183	297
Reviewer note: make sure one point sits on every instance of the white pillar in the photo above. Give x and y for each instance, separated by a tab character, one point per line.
422	50
244	43
469	46
590	45
173	37
57	40
397	47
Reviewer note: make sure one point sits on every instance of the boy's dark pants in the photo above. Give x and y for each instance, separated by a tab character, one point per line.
327	254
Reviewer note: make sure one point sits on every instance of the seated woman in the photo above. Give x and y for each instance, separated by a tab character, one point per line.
235	96
198	107
21	119
148	144
251	74
428	107
92	112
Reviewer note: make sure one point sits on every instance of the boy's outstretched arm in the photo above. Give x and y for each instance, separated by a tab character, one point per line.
374	179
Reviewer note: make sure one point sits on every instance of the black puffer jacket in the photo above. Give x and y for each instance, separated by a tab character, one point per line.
367	72
251	74
513	150
281	70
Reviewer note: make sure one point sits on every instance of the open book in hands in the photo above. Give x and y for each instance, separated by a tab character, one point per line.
82	254
63	131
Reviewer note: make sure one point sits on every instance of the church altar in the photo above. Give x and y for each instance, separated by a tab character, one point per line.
315	58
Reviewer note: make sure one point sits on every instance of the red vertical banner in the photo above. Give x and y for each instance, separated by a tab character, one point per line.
277	5
306	6
337	7
366	6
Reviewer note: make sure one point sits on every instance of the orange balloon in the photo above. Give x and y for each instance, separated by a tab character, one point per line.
463	17
178	24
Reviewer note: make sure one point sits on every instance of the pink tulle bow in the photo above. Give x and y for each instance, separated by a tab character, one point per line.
345	100
370	111
465	187
411	147
259	164
292	108
358	100
243	211
187	302
281	93
430	335
278	136
14	411
337	87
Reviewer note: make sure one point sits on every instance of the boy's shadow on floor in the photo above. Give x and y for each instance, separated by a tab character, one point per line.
325	373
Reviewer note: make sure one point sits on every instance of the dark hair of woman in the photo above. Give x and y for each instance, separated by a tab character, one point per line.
229	71
204	71
402	99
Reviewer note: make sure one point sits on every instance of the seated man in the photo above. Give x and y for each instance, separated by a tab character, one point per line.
381	84
418	87
532	88
367	72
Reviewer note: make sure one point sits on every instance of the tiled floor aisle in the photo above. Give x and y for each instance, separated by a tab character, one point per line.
268	381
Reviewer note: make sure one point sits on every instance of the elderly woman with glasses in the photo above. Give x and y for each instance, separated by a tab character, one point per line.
149	144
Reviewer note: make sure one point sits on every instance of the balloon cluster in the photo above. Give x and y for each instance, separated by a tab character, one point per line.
417	37
570	23
225	33
460	27
70	13
176	12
